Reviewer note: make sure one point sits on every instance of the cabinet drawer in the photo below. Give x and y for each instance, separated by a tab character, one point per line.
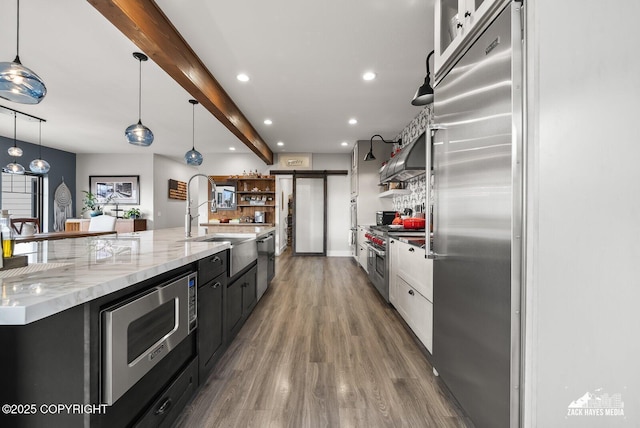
212	266
416	311
416	269
166	409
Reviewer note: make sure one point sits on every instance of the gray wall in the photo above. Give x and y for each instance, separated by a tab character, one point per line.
63	164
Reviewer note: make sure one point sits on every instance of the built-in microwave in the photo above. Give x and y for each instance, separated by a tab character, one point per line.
138	332
384	218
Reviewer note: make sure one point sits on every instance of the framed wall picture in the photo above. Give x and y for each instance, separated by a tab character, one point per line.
116	189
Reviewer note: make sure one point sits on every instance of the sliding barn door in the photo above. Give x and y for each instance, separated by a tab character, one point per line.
310	214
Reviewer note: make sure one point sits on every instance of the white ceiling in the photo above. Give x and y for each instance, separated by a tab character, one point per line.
305	60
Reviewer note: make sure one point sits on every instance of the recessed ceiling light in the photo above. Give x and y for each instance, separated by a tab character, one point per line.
369	75
280	143
232	148
353	121
344	143
268	121
242	77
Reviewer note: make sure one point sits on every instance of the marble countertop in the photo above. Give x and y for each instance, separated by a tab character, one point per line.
69	272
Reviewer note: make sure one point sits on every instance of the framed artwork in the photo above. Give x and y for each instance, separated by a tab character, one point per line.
116	189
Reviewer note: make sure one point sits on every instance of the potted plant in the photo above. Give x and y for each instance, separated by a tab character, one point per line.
132	213
90	203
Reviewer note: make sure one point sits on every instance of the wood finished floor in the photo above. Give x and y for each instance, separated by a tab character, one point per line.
322	350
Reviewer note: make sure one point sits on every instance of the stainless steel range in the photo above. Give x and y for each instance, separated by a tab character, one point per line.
377	261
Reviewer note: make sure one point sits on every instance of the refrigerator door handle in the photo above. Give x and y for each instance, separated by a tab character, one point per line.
430	215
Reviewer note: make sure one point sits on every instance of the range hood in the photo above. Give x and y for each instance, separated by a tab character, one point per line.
409	163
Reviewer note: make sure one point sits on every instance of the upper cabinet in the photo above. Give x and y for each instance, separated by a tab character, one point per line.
456	24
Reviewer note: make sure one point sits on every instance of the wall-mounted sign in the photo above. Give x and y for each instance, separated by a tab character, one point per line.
295	161
177	190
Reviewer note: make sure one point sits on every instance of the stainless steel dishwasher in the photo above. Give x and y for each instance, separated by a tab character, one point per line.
266	261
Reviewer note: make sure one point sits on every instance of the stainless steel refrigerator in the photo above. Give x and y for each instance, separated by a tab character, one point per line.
476	161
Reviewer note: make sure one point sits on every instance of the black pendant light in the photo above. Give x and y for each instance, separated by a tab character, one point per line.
138	134
369	156
424	94
14	167
18	83
193	157
39	165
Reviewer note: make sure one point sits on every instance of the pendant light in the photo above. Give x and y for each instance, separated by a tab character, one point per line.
424	94
39	165
17	82
193	157
138	134
14	167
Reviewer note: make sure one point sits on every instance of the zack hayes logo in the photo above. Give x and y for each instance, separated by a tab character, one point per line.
597	404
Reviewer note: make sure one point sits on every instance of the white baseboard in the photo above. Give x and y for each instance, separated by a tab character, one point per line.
339	253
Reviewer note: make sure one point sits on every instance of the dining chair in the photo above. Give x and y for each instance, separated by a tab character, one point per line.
18	225
102	223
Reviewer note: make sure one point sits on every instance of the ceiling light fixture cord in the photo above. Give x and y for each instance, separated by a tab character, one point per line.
140	90
18	34
193	126
40	140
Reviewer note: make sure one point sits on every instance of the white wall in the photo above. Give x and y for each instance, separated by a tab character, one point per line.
169	212
583	233
232	164
117	164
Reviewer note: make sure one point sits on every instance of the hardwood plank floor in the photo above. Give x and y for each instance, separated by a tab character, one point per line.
321	349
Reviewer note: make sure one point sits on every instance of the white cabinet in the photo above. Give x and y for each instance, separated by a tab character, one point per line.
362	249
457	22
416	311
411	288
415	269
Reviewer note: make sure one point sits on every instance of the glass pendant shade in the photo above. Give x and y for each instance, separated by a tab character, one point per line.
39	166
14	168
14	152
19	84
193	157
139	135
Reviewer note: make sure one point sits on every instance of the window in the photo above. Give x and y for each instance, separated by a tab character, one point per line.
22	195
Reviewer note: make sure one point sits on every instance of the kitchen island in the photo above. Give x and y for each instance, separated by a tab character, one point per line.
60	318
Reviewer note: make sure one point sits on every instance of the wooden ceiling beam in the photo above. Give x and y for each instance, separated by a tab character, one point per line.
144	23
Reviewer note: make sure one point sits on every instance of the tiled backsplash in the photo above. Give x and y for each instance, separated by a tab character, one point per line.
417	185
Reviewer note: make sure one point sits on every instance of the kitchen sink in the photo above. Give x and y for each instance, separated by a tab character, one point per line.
243	251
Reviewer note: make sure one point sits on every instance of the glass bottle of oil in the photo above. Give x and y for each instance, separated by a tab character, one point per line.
8	237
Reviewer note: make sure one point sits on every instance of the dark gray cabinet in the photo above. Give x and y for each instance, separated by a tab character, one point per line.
212	282
249	292
210	323
241	298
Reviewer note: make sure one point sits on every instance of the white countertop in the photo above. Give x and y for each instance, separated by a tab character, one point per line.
68	272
